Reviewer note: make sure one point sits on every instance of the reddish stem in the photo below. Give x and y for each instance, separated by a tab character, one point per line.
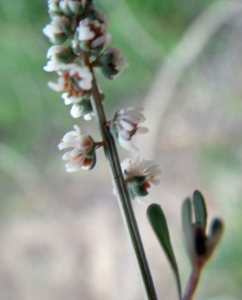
98	144
192	283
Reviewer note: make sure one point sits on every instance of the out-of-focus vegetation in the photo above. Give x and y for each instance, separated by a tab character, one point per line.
33	119
29	110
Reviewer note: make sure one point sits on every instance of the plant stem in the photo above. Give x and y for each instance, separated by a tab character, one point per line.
122	193
192	283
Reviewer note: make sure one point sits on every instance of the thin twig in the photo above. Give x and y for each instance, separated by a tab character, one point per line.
192	283
122	194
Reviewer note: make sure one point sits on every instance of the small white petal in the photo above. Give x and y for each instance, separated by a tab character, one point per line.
77	128
88	117
98	41
124	134
74	6
55	86
127	145
108	39
66	156
85	33
126	125
85	84
142	130
154	181
75	111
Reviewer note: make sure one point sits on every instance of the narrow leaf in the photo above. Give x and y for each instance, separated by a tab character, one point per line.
187	226
216	231
158	223
200	208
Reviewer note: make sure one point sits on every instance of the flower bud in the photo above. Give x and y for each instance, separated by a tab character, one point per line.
82	109
59	56
58	30
72	7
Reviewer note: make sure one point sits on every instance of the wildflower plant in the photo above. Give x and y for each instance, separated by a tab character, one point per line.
78	32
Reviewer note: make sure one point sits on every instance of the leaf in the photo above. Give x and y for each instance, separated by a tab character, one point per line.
187	226
215	234
158	223
200	209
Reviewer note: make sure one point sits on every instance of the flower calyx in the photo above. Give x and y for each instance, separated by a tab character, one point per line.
110	62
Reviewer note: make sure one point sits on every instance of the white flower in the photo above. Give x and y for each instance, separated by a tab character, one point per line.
57	29
57	87
93	32
125	125
63	4
84	30
83	154
72	6
139	175
118	63
53	5
148	168
76	80
84	74
70	99
77	111
53	53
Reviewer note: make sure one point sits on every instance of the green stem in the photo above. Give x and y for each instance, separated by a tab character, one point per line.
124	201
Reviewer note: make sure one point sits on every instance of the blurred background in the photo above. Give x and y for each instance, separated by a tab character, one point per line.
61	234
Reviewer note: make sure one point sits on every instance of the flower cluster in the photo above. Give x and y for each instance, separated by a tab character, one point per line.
83	30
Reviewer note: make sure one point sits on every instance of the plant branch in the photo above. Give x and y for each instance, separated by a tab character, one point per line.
122	193
192	283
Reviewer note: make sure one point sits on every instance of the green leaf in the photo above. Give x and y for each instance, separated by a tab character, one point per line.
200	208
216	231
158	223
187	226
